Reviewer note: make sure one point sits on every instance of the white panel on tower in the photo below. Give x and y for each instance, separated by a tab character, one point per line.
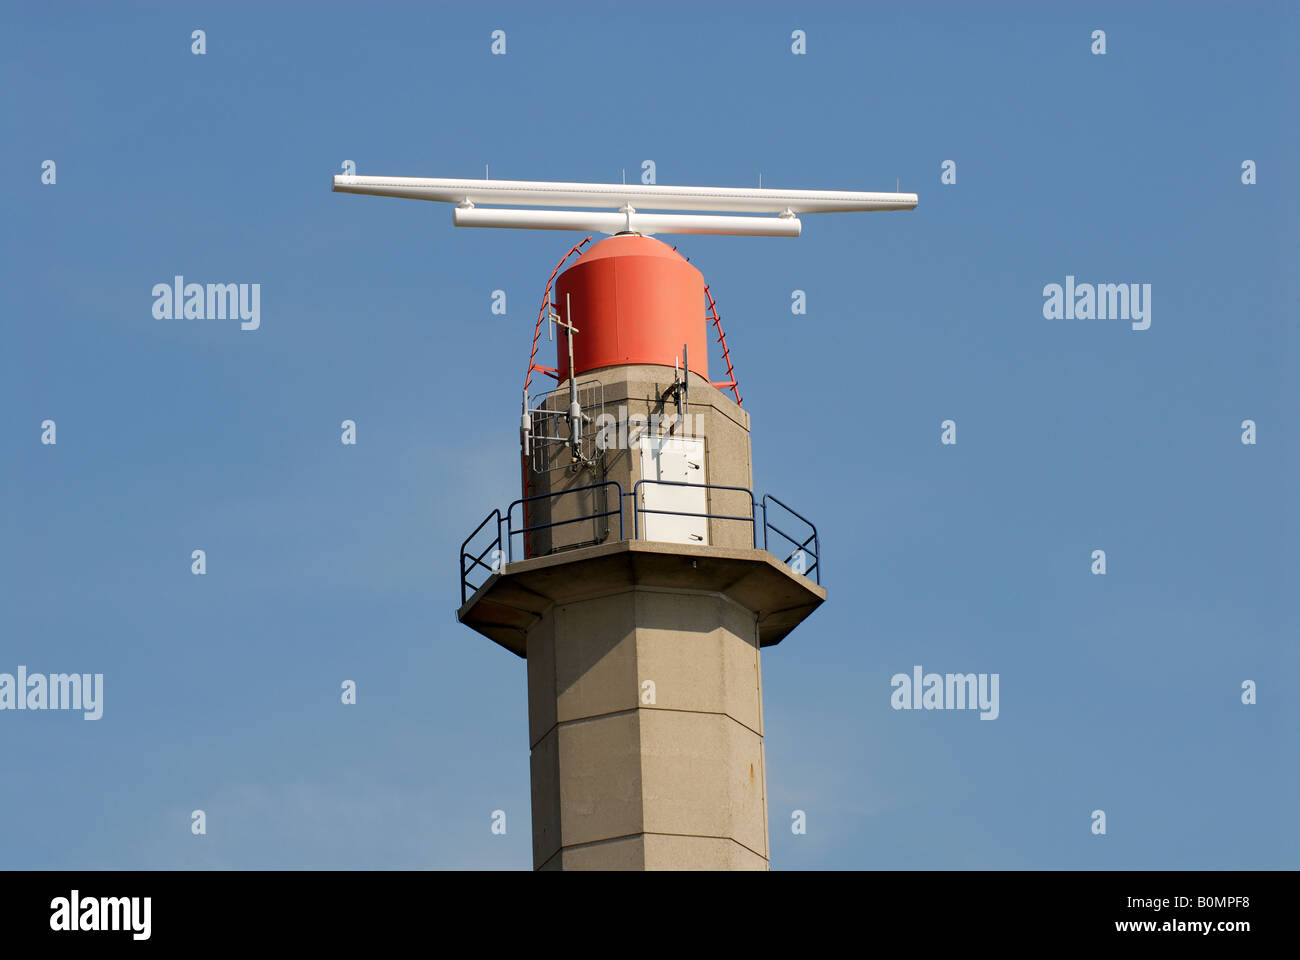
681	461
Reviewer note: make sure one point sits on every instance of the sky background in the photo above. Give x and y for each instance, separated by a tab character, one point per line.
328	563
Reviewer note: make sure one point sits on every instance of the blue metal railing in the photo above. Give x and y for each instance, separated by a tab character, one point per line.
638	509
466	585
803	544
511	532
807	547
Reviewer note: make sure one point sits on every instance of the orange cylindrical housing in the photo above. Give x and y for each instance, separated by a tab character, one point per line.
633	299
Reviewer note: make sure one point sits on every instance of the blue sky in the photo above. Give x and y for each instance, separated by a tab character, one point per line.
1118	692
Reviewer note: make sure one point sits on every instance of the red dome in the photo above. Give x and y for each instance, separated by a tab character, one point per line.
633	299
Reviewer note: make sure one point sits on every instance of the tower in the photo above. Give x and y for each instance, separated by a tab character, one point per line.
638	573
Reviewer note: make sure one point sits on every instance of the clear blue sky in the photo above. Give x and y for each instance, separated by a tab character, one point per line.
325	563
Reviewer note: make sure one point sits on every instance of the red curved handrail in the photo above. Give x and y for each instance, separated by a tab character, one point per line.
541	318
712	316
726	354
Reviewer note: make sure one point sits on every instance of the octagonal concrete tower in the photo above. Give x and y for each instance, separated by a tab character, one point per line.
637	581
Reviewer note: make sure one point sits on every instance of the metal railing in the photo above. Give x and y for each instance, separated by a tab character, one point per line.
802	544
706	487
467	586
807	547
511	532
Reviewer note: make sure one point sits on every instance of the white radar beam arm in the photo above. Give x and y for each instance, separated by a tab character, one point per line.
629	200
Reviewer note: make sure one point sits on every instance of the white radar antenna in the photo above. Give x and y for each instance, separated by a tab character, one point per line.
628	201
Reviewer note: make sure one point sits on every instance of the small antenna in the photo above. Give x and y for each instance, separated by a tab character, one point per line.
898	182
625	176
485	172
526	427
686	382
677	385
760	179
575	409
